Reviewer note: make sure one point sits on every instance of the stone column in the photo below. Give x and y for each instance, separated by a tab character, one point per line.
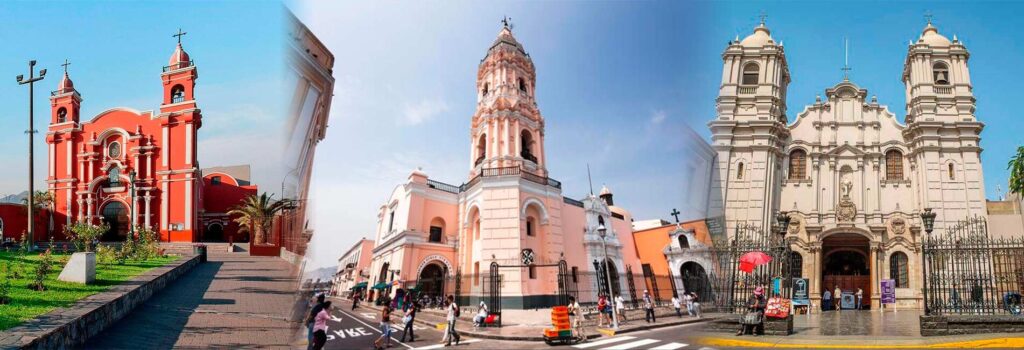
147	198
875	285
815	278
88	203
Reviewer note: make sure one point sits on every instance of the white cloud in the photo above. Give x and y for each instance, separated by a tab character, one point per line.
658	116
422	112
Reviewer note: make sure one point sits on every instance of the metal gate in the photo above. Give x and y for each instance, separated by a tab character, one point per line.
968	272
566	285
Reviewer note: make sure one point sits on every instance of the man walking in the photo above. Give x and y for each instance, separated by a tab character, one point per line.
648	308
826	301
408	319
453	314
676	303
860	297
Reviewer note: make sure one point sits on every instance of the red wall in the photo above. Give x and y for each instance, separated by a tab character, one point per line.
220	198
14	218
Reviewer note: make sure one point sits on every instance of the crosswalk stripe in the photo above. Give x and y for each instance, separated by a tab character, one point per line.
603	342
438	346
669	346
631	345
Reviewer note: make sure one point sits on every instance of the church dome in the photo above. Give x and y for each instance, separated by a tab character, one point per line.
65	84
179	59
605	191
761	37
931	37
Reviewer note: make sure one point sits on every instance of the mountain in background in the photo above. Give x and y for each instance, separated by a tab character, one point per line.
323	273
14	198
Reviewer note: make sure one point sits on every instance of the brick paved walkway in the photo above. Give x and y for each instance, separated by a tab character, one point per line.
233	301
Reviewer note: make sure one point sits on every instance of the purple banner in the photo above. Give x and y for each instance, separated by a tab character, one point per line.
888	291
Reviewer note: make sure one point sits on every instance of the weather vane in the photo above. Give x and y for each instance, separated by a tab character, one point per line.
507	21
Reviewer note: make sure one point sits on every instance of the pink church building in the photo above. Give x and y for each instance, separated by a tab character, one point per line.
508	211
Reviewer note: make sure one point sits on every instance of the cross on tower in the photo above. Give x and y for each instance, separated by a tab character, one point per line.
66	64
507	22
928	16
179	35
676	214
763	17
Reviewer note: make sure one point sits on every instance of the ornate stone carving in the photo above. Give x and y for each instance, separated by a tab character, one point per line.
897	225
846	210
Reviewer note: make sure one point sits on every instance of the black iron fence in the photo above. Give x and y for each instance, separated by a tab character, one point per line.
968	272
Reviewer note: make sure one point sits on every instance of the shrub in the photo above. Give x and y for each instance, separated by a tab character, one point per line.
42	269
148	245
23	246
5	286
105	254
84	235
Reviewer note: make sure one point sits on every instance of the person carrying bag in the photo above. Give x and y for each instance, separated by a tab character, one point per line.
755	312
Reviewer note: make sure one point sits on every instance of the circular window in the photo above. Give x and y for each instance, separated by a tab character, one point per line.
114	150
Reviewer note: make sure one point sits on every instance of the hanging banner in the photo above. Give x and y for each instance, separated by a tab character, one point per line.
888	291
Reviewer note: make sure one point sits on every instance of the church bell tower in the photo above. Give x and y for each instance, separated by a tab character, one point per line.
750	130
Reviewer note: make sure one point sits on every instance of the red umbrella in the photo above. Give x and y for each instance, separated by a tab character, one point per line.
753	259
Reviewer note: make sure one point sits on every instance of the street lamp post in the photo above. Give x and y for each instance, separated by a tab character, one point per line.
928	219
31	132
602	231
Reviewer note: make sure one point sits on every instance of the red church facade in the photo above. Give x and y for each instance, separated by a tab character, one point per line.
99	167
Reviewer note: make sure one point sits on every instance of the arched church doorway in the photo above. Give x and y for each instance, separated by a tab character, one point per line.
214	233
115	215
845	264
604	275
695	279
431	281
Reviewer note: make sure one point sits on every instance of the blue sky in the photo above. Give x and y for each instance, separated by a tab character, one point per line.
613	83
878	33
117	51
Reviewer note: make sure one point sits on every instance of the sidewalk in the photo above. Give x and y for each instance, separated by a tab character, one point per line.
436	318
232	301
973	341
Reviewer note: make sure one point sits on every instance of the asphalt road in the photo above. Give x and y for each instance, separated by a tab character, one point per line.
358	329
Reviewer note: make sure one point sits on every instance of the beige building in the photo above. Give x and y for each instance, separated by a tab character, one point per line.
853	176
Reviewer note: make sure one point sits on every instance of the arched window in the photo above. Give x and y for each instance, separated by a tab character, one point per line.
436	230
114	177
952	175
684	243
940	72
798	165
526	143
522	85
893	165
215	180
177	94
898	269
600	220
1	226
487	86
481	149
62	115
529	226
739	172
750	72
796	265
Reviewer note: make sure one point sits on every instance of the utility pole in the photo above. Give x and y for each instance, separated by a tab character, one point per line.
31	132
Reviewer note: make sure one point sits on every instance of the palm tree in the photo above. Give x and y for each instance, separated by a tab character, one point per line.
1016	167
256	214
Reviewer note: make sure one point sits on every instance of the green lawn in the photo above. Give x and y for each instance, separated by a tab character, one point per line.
26	304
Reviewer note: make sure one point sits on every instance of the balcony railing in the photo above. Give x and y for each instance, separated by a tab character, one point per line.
571	201
945	90
510	171
747	89
443	186
179	65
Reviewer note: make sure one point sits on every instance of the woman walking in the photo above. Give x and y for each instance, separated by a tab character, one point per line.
602	309
408	319
384	341
320	326
453	314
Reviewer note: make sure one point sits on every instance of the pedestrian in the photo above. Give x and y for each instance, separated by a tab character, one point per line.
678	304
384	341
860	297
755	312
648	308
453	314
826	301
316	307
320	326
602	306
696	304
576	319
837	296
481	315
355	300
688	299
620	304
408	319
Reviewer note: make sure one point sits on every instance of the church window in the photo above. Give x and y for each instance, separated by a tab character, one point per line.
476	273
750	73
522	85
526	141
898	269
215	180
798	165
533	272
62	115
893	165
739	172
391	221
177	94
114	177
940	72
950	170
600	220
487	86
796	265
684	243
481	149
435	234
114	150
529	226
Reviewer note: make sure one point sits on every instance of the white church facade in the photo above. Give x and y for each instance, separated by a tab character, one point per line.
852	175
